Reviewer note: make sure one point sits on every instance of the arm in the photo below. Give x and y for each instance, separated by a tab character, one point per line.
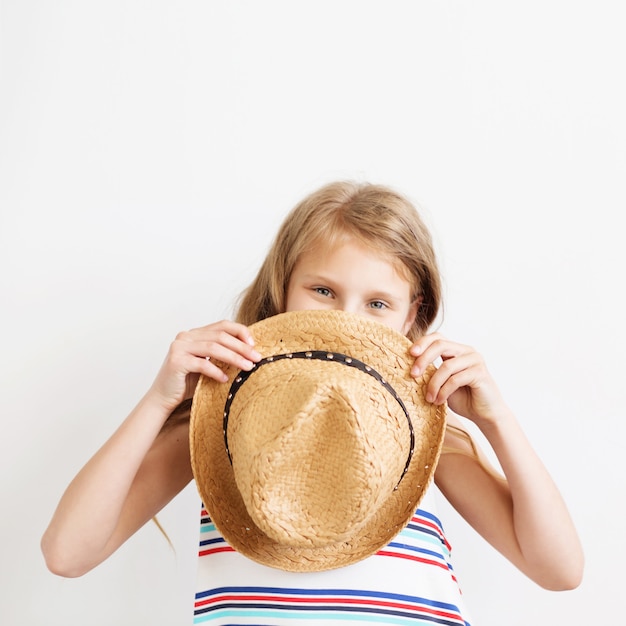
134	475
142	466
524	516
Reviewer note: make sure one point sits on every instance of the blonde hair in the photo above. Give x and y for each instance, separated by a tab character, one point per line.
373	214
466	446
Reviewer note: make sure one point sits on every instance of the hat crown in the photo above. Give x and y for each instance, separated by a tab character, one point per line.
313	454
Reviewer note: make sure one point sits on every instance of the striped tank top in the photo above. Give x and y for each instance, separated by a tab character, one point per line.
408	582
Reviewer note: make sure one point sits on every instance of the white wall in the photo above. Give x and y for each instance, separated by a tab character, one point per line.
148	151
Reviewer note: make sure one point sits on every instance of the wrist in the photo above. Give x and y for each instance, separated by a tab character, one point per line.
155	404
503	426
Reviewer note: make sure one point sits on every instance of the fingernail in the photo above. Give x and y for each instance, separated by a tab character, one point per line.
415	371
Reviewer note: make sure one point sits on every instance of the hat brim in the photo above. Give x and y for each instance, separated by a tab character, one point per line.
375	344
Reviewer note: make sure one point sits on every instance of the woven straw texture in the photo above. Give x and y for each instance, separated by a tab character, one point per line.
318	448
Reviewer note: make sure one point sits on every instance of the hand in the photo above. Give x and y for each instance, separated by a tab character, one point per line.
462	380
191	354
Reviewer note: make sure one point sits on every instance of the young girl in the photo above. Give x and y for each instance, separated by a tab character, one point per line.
361	249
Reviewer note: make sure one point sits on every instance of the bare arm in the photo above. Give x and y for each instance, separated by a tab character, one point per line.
524	516
140	468
132	477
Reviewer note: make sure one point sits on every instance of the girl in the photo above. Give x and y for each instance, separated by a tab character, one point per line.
362	249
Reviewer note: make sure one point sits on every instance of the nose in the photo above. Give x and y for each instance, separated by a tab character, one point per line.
347	306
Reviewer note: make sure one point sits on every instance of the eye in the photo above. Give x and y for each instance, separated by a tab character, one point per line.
323	291
378	305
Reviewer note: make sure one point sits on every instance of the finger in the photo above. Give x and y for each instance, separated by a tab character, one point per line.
229	351
440	348
218	342
460	380
453	374
235	329
209	369
224	346
423	342
184	360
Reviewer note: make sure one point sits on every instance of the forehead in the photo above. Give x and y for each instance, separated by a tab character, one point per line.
324	247
354	260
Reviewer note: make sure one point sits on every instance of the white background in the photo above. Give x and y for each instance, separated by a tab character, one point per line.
148	152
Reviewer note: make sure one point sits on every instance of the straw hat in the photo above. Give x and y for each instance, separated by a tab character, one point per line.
320	455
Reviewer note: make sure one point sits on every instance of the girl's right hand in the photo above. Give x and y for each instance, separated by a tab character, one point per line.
191	354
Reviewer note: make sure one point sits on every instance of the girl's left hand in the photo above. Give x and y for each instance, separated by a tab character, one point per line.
462	380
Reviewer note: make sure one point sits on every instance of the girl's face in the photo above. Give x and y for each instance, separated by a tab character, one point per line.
352	278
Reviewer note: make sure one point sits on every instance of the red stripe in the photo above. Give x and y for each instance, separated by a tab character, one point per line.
399	555
215	551
412	557
326	600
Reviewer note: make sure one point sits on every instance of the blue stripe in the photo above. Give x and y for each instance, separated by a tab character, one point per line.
410	548
320	617
350	593
425	531
428	515
207	542
347	613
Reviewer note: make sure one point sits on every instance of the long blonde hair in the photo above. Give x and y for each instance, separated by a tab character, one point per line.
375	215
